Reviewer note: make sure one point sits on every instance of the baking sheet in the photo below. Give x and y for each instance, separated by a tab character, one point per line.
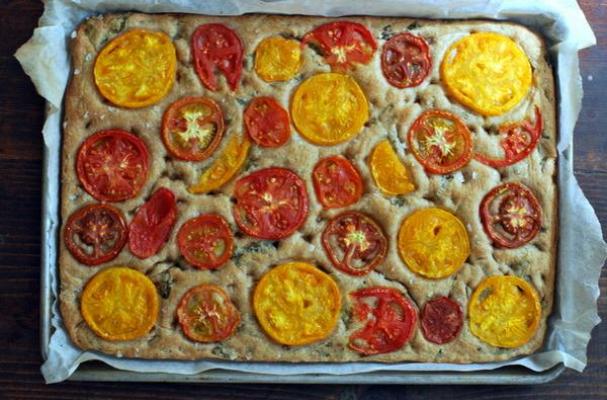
582	250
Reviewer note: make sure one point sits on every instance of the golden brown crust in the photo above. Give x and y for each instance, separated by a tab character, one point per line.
392	112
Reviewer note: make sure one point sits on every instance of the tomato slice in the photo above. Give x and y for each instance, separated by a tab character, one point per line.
266	122
206	241
216	47
270	203
354	243
389	319
206	314
150	227
405	60
511	215
95	234
112	165
343	43
518	140
441	320
440	141
337	182
192	128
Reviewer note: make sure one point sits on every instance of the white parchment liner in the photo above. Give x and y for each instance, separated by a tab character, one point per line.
582	250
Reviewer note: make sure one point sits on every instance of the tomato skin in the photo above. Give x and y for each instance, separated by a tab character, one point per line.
198	239
387	330
441	320
337	182
152	224
266	122
101	169
210	53
95	224
271	203
405	60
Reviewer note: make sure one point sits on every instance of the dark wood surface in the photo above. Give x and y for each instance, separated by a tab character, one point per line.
21	119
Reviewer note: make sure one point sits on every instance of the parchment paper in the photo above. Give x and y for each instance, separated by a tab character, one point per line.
582	250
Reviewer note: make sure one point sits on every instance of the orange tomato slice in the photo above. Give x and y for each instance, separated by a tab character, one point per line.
277	59
390	174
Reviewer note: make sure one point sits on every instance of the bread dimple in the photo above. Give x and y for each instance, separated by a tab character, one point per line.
392	111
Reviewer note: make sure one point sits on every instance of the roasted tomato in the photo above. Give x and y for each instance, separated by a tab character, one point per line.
511	215
152	224
487	72
504	311
225	166
518	140
120	303
266	122
342	43
329	108
206	314
433	243
277	59
441	320
95	234
136	69
297	304
337	182
270	203
405	60
440	141
112	165
354	243
215	47
192	128
206	241
389	173
389	320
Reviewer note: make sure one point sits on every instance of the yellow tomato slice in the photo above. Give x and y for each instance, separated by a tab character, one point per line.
136	69
390	174
329	108
296	303
120	303
433	243
277	59
225	166
504	311
487	72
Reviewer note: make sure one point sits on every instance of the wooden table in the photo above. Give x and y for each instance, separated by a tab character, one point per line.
21	119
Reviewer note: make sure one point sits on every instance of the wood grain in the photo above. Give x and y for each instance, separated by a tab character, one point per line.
21	119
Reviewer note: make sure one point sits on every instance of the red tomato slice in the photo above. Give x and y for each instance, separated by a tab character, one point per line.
405	60
112	165
266	122
343	43
150	227
518	141
192	128
337	182
354	243
206	241
441	320
511	215
440	141
95	234
217	48
390	320
270	203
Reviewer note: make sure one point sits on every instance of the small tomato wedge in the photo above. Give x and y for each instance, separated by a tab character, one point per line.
192	128
150	227
215	47
266	122
206	314
391	176
405	60
342	43
95	234
389	320
112	165
337	182
206	241
441	320
277	59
